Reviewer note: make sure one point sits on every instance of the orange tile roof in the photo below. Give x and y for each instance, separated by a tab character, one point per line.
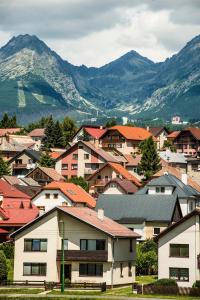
55	155
173	134
194	131
126	174
3	132
133	161
176	172
132	133
95	132
38	132
74	192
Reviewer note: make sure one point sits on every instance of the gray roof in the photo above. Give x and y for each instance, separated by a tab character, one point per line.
179	188
135	208
29	152
173	157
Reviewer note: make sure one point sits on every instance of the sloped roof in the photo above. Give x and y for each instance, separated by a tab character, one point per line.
74	192
155	131
6	131
18	212
194	131
126	185
173	134
120	170
133	207
177	173
132	133
29	152
29	190
133	161
173	157
179	188
95	132
51	172
90	217
29	181
38	132
9	191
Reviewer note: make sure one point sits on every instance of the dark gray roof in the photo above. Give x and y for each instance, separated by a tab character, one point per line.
179	188
129	208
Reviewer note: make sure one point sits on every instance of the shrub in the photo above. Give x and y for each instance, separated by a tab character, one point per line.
3	266
196	284
165	282
8	249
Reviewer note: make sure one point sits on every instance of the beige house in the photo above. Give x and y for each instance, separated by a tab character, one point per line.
179	250
160	133
96	249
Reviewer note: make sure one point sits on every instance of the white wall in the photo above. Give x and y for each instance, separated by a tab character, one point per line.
113	190
152	190
186	233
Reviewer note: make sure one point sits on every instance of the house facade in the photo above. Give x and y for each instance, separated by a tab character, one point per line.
188	141
44	175
90	134
82	159
125	138
96	249
62	194
179	249
160	133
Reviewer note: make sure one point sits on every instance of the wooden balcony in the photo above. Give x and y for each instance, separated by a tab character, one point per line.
19	166
82	255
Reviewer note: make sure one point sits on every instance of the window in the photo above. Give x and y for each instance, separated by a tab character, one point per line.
121	269
35	269
191	206
131	245
160	190
47	196
92	245
179	274
30	161
55	196
90	269
179	250
75	156
64	166
99	177
35	245
156	230
86	156
74	167
65	244
41	208
18	161
129	269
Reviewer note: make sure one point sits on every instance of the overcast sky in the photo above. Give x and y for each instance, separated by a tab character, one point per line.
94	32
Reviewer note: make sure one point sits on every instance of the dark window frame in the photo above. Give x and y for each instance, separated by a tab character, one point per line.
89	265
179	273
35	264
97	240
25	240
178	246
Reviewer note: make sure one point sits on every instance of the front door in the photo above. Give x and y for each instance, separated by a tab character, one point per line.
67	272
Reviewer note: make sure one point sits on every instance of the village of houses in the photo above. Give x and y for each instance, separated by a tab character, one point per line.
59	229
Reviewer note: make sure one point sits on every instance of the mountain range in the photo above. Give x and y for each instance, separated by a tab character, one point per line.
35	81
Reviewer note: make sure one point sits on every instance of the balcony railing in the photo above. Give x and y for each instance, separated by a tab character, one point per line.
83	255
19	166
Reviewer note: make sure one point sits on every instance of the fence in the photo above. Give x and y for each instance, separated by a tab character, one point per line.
165	290
51	285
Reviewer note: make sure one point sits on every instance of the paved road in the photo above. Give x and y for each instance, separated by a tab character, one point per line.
75	296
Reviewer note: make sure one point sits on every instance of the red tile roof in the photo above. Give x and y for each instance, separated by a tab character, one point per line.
74	192
90	217
17	212
54	155
132	133
173	134
95	132
38	132
9	191
133	161
3	132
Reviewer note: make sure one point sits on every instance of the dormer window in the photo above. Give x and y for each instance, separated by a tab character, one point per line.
160	190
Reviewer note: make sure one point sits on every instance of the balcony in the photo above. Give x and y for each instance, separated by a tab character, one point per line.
89	171
83	255
19	166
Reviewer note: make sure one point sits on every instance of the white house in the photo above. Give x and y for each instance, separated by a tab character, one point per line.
58	193
96	249
179	250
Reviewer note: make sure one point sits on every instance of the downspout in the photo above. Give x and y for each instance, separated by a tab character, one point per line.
112	263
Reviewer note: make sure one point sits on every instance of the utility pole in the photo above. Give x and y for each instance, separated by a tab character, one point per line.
63	259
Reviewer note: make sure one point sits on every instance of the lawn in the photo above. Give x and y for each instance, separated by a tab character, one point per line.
20	291
146	279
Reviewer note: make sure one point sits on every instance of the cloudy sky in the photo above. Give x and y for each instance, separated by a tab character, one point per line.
94	32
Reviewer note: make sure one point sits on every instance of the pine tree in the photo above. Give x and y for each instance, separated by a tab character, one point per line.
46	160
4	167
3	266
80	181
150	161
69	129
48	140
5	122
59	138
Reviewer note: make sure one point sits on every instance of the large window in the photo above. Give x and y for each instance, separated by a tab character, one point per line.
92	244
35	245
39	269
179	250
179	274
160	190
91	269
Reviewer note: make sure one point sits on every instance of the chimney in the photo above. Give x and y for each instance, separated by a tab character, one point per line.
147	128
100	214
184	178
